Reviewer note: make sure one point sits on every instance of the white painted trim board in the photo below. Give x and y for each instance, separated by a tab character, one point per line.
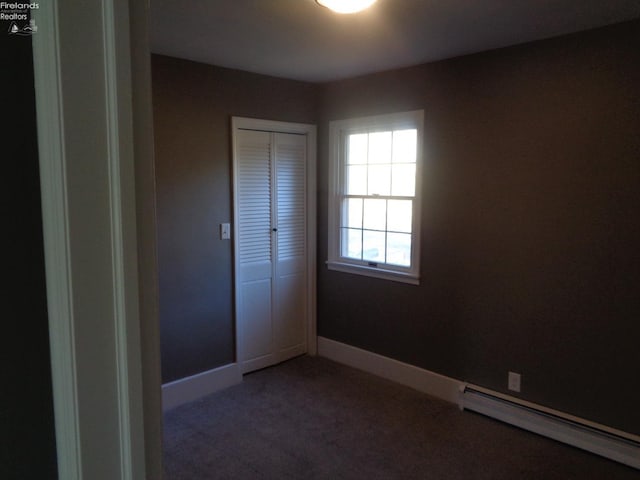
451	390
87	184
56	236
418	378
197	386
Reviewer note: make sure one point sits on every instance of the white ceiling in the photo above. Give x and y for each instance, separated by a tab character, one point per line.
300	40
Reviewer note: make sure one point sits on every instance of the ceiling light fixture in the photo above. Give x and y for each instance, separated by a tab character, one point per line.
346	6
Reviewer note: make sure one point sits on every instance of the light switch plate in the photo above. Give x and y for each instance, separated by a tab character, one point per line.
225	231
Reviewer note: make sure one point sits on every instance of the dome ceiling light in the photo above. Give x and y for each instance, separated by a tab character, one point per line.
346	6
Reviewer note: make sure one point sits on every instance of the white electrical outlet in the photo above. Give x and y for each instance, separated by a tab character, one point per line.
514	381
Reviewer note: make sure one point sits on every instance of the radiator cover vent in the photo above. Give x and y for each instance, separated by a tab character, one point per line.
607	442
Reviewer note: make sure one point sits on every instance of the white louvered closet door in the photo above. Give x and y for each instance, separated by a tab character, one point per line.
270	171
290	245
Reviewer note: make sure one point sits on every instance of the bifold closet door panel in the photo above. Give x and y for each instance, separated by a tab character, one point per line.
290	245
255	253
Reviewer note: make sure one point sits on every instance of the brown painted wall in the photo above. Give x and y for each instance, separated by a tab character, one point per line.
193	106
530	231
530	228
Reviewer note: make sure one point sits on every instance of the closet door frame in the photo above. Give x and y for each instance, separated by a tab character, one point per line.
244	123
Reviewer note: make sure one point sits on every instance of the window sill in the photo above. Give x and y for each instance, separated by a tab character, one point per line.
392	275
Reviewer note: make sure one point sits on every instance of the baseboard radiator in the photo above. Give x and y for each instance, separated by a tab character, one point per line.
607	442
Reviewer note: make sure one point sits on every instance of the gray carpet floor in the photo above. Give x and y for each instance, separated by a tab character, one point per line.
311	418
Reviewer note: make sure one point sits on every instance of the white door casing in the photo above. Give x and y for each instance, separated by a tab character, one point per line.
86	122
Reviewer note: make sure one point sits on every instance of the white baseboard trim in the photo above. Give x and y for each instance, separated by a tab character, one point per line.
196	386
614	444
418	378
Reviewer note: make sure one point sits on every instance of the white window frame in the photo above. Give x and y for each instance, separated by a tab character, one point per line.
338	132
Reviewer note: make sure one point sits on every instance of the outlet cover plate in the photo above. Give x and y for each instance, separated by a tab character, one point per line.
514	381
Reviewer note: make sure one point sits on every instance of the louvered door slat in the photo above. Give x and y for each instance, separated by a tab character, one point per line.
254	196
291	204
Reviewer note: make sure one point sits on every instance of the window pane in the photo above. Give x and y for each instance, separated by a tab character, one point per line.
357	152
399	249
351	243
404	146
399	215
380	147
403	178
353	213
379	180
356	180
373	246
375	214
